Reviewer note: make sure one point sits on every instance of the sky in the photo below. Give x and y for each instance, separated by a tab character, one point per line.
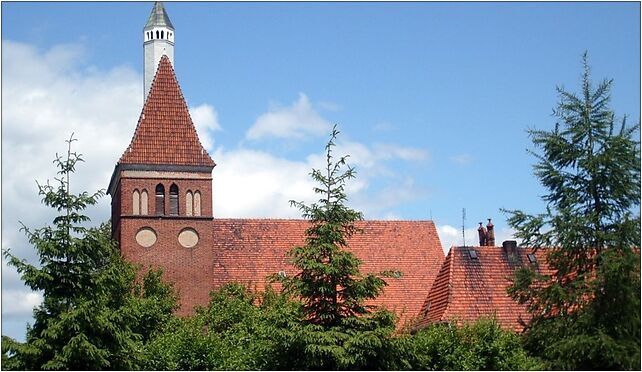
432	100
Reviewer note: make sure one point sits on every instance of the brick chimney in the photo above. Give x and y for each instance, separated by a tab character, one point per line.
490	241
483	235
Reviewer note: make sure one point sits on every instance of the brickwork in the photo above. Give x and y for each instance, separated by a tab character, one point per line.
189	269
248	250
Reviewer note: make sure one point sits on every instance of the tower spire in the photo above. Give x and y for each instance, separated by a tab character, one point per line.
158	36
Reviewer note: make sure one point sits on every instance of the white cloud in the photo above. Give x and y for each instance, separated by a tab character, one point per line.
389	151
300	120
205	118
249	183
461	159
17	303
47	95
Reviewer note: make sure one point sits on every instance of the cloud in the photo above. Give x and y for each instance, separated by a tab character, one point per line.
18	303
461	159
251	183
298	121
47	95
205	120
388	151
383	126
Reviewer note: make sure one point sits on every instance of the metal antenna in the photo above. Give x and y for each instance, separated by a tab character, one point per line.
463	224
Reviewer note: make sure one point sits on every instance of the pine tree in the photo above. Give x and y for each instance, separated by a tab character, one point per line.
587	313
94	314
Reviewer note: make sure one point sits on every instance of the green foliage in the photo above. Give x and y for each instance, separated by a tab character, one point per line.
237	331
482	345
329	282
338	330
94	314
587	314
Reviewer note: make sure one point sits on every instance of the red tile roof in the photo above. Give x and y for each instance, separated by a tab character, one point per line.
165	133
248	250
466	289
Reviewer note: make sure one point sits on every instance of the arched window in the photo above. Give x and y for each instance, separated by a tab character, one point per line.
157	34
197	203
136	202
162	34
189	198
144	204
160	199
173	200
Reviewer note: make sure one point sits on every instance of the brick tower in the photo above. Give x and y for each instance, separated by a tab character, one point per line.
161	190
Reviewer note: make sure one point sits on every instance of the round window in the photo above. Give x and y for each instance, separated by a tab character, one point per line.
188	237
146	237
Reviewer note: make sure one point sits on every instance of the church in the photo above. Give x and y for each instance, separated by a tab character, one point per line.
163	217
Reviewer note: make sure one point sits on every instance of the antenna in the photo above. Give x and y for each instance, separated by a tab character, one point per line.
463	224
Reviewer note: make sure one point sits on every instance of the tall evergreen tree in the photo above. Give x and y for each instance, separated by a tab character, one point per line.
94	314
587	313
339	330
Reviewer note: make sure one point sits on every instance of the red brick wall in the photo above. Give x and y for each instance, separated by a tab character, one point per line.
190	269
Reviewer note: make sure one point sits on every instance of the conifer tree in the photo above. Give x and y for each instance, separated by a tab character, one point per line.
587	313
329	281
94	314
339	331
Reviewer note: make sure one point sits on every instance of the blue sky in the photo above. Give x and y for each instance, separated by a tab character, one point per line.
433	101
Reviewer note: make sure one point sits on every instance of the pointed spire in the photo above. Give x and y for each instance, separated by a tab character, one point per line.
165	134
158	17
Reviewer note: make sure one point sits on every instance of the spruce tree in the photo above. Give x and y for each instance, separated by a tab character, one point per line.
339	330
587	313
95	314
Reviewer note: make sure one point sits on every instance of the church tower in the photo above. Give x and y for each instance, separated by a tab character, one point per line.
158	36
161	187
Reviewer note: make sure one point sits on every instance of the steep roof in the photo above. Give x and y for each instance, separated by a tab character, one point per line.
469	288
247	250
158	17
165	133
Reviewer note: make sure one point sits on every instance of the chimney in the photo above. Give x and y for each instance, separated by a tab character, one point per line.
483	235
510	246
491	234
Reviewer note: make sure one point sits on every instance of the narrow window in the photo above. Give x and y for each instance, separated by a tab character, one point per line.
160	199
173	200
197	203
144	206
189	198
162	34
136	202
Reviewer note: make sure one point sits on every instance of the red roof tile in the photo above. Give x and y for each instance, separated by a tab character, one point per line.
165	133
466	289
248	250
